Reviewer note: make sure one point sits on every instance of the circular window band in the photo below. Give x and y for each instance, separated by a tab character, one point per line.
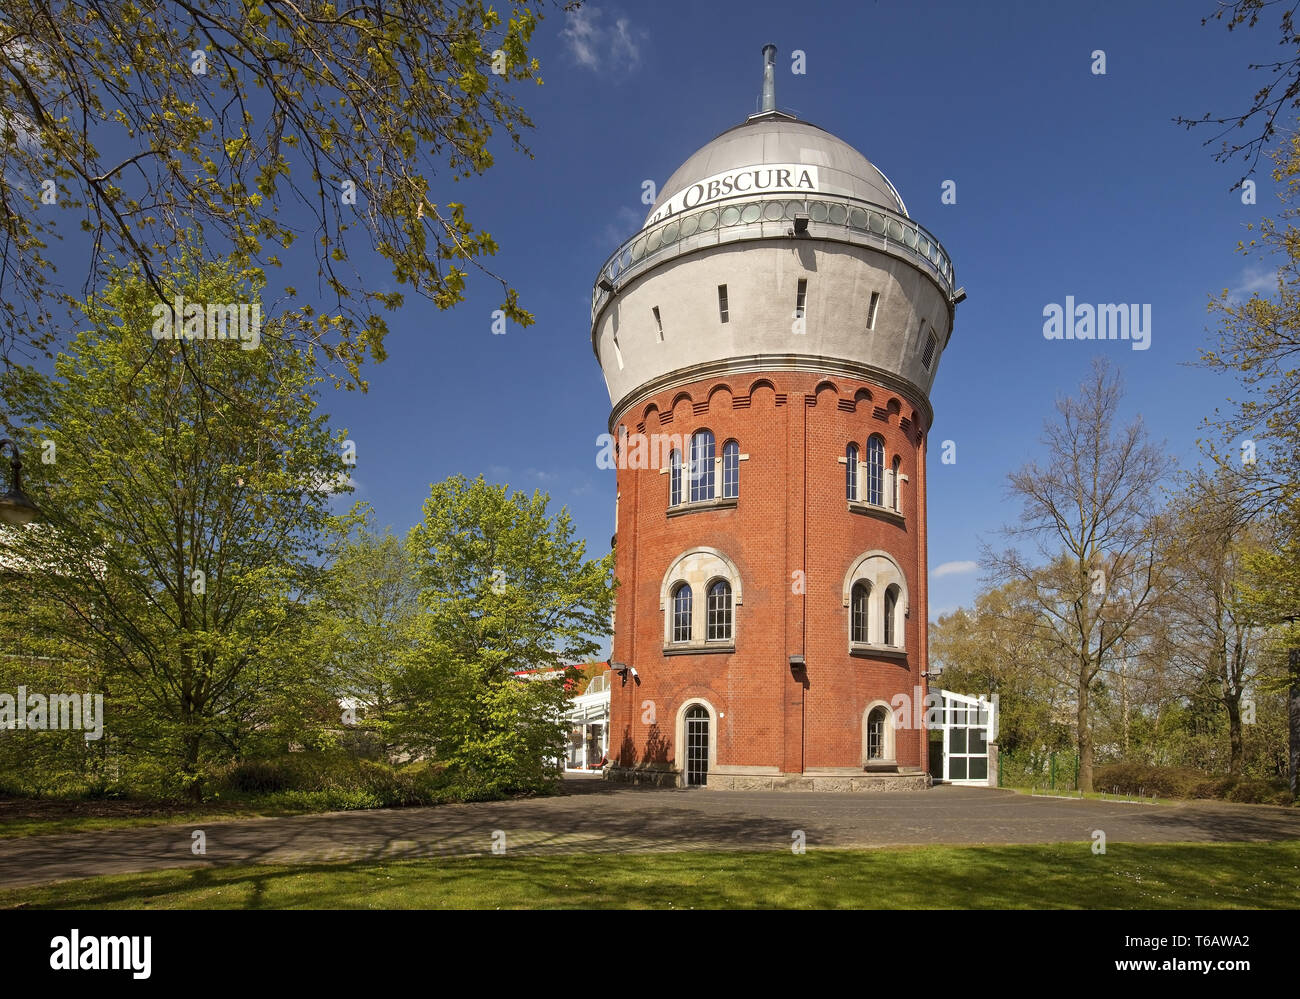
834	213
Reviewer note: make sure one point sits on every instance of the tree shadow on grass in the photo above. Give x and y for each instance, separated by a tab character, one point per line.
1066	875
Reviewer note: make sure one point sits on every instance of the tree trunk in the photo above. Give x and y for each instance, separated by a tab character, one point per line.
1233	705
1085	733
190	743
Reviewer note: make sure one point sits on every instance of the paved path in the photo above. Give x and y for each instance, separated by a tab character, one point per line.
592	816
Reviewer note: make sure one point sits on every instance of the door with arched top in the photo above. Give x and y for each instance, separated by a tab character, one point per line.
697	746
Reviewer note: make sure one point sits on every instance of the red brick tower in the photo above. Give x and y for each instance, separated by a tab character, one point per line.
769	339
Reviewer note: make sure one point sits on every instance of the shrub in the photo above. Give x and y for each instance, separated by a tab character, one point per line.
1175	782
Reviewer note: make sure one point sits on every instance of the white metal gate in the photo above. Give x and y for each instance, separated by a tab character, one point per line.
969	724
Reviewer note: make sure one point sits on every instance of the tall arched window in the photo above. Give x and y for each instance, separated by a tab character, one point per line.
702	455
861	601
891	604
719	628
851	472
730	470
682	613
876	471
674	477
898	496
876	722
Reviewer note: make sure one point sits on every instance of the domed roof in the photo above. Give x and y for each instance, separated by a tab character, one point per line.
772	137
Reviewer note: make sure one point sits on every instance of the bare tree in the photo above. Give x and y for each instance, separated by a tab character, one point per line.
1279	93
1211	632
1088	536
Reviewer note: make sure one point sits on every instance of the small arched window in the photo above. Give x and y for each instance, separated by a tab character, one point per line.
861	600
898	495
851	472
730	470
876	471
674	478
891	604
682	613
876	722
719	629
702	455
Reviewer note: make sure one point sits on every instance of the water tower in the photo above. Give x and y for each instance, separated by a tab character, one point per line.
769	338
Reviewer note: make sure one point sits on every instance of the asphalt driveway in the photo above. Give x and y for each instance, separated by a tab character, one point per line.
595	817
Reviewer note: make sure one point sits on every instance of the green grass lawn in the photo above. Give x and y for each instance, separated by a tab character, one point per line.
1166	876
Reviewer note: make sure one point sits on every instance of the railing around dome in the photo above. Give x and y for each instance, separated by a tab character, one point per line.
830	217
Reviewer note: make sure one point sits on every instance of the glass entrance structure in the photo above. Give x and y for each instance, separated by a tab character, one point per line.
968	725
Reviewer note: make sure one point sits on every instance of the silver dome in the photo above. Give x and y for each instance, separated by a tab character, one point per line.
777	137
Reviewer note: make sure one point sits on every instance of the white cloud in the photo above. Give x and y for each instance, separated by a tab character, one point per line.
953	569
624	223
597	47
1255	280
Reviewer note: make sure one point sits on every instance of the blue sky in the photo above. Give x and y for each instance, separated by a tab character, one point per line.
1068	183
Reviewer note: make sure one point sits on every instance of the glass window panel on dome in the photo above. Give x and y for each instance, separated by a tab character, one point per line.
701	473
675	478
851	472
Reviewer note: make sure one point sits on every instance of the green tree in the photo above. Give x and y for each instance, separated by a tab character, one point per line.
254	122
365	620
996	648
183	528
505	588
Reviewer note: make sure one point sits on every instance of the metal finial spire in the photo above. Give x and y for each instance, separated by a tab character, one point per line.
769	77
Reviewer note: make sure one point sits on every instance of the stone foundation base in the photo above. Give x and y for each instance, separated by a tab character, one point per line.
805	782
636	775
840	782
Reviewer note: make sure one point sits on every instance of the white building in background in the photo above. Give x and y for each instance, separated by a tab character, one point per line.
588	718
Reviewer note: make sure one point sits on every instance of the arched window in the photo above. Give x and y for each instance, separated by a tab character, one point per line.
861	601
851	472
875	597
898	500
730	470
702	455
876	723
711	624
696	725
891	604
876	471
674	477
682	613
719	628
